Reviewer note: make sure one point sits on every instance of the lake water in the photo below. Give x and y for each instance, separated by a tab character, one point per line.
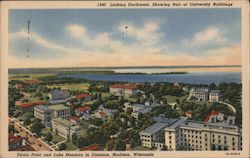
191	77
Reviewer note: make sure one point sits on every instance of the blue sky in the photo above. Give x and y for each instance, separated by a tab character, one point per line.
118	37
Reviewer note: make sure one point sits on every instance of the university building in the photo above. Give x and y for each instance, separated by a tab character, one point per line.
64	127
121	90
45	113
192	135
204	94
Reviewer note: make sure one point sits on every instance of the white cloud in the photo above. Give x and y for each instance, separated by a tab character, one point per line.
38	39
147	34
210	35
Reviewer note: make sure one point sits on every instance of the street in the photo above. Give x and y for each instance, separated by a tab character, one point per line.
36	143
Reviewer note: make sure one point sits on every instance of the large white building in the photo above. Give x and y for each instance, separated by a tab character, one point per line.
192	135
59	110
58	94
45	113
64	127
121	90
204	94
153	136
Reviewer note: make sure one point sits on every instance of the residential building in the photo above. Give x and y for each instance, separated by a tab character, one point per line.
193	135
83	97
83	112
216	116
58	94
44	113
120	90
65	128
59	110
140	108
204	94
14	141
75	119
29	106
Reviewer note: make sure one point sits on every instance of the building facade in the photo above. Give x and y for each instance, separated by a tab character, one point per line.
65	128
58	94
121	90
191	135
204	94
59	110
44	113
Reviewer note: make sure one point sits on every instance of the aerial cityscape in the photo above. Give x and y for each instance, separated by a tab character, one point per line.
119	82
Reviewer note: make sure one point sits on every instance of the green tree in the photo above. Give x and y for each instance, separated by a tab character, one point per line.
110	144
48	137
37	126
62	146
129	110
74	138
120	145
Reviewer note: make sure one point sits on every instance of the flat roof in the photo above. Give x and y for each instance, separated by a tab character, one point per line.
155	127
66	122
43	107
58	107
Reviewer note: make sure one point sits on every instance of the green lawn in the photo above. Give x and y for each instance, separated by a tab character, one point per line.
130	99
74	86
172	99
105	95
70	146
57	139
84	124
140	148
45	131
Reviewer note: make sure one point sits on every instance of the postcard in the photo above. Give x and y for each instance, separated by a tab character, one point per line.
132	79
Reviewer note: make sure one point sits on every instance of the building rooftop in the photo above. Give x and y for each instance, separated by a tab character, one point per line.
155	127
65	122
214	91
200	89
84	108
14	139
124	86
144	110
43	107
58	107
57	101
83	95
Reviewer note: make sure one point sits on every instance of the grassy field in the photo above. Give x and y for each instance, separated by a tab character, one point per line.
140	148
172	99
57	138
130	99
70	146
28	76
45	131
75	86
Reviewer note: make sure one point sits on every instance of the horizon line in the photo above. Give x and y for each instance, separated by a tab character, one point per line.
135	67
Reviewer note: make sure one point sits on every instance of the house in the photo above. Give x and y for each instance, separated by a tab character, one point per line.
14	141
75	119
83	97
216	116
214	95
140	108
120	90
83	112
65	128
91	148
189	114
18	86
33	81
58	94
30	105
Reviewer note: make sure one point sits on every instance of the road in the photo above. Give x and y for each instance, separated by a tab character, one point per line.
36	143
